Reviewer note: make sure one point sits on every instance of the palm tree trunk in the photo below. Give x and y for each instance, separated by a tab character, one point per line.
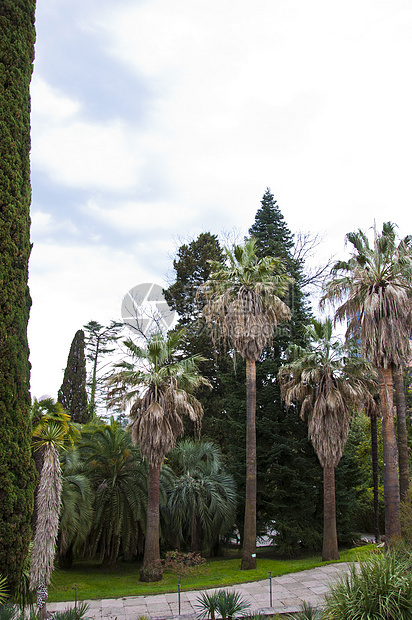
249	535
330	537
152	568
390	458
375	474
402	432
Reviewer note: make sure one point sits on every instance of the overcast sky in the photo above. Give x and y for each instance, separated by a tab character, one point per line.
155	120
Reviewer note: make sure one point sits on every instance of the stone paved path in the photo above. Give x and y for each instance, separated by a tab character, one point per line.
288	593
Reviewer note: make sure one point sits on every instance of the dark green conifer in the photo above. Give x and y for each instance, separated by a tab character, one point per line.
17	477
72	394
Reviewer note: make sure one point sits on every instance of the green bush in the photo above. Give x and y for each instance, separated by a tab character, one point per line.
380	587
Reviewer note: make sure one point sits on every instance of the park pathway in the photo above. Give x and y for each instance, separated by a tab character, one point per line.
288	593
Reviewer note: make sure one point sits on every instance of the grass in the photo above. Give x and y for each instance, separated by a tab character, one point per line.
94	581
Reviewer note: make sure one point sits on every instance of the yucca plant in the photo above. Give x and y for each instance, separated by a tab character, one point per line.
381	587
308	612
207	604
3	589
72	613
225	603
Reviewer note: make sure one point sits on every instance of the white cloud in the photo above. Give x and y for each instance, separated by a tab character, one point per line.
49	103
89	155
133	217
70	286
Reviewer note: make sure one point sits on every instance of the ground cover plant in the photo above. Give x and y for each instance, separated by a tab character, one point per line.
94	581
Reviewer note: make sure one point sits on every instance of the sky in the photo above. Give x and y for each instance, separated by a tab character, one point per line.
154	121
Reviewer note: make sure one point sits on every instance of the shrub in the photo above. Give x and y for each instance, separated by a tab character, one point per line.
381	587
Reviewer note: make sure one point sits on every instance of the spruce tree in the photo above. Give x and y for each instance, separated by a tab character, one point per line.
72	394
17	477
289	475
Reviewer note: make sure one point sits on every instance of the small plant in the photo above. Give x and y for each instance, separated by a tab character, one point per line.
72	613
3	589
307	613
227	603
380	588
207	604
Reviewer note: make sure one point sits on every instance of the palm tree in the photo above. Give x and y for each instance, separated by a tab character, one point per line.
243	308
375	285
76	515
52	431
326	379
156	386
202	500
118	478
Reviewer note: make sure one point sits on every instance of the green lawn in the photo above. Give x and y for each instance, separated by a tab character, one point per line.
94	581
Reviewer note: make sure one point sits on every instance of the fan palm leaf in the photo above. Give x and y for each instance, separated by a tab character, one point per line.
156	387
374	290
326	378
243	307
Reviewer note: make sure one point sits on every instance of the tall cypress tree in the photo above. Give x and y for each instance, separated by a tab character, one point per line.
17	478
72	394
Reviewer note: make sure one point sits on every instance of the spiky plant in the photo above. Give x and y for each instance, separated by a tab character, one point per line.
52	431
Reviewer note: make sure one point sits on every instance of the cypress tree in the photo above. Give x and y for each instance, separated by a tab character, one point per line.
17	477
72	394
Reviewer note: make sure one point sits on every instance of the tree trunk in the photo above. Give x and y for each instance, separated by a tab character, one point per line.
152	568
194	548
330	537
375	474
249	534
390	458
403	454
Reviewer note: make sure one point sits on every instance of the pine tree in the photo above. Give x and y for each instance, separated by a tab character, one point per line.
17	477
99	343
72	394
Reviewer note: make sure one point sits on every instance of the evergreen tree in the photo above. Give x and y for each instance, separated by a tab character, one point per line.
17	476
192	270
289	475
72	394
99	343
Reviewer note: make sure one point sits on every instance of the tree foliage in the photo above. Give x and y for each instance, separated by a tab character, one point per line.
72	394
17	475
100	341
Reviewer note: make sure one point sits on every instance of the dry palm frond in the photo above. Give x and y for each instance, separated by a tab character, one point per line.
158	393
375	286
326	379
243	304
48	510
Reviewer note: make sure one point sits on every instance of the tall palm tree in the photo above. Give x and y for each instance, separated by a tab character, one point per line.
375	285
243	307
155	386
202	500
52	431
118	478
327	379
